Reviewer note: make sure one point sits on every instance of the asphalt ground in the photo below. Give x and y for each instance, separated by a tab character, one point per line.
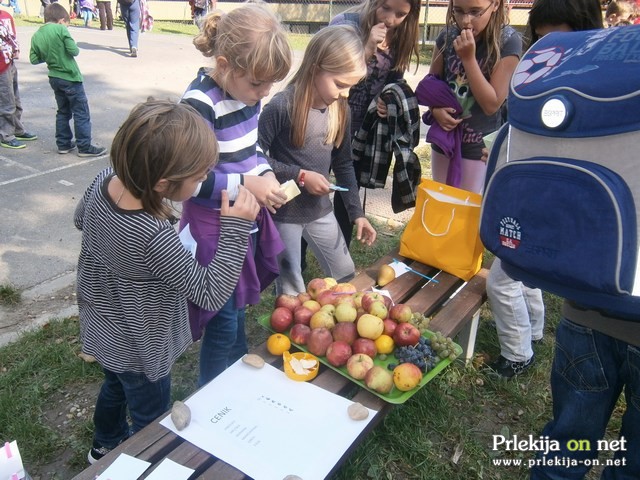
39	188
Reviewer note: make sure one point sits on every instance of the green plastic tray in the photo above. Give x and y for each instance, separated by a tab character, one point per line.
394	396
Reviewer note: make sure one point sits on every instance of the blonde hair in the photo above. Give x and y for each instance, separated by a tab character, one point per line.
492	33
161	140
251	39
404	43
334	49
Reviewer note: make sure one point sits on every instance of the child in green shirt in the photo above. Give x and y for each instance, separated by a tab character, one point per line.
53	44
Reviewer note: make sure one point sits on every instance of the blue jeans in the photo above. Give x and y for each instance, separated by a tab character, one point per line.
131	16
146	401
223	342
590	371
72	103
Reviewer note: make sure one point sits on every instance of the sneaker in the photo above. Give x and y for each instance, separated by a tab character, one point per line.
67	149
96	454
92	151
15	144
507	369
27	137
134	52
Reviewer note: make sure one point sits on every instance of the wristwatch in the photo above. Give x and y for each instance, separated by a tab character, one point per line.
301	179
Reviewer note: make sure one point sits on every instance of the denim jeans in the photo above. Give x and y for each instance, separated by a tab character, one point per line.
518	312
10	107
72	103
146	401
131	16
327	243
589	372
223	342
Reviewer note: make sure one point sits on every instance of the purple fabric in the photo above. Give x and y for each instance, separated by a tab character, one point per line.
433	92
260	267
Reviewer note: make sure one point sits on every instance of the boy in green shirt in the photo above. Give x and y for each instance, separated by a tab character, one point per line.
53	44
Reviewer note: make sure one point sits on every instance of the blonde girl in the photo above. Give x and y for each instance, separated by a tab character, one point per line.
250	53
476	54
389	29
305	129
134	275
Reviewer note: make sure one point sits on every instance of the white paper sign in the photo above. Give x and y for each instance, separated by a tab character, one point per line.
269	426
170	469
125	467
10	462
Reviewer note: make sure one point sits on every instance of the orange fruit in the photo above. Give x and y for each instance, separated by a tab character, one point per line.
384	344
278	343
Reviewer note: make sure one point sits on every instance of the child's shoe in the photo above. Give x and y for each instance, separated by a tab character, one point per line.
92	151
134	52
26	137
15	144
96	454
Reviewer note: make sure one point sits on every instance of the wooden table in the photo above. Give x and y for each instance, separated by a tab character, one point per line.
452	315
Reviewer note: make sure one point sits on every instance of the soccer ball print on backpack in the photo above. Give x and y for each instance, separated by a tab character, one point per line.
561	206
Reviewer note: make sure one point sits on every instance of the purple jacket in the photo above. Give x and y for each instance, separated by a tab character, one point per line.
433	92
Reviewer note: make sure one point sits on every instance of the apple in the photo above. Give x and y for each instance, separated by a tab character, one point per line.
389	326
302	315
400	312
322	318
338	353
315	286
345	331
281	319
345	298
326	297
331	282
287	301
388	301
304	296
406	334
300	333
329	308
312	305
319	340
406	376
366	346
357	298
358	365
344	288
370	326
379	379
345	313
378	309
368	298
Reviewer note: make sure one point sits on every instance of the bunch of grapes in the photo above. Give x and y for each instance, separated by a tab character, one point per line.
419	321
443	347
421	355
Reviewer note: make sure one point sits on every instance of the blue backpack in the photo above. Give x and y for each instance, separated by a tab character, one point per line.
561	206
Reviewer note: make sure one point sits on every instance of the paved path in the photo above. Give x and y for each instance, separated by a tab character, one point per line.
39	188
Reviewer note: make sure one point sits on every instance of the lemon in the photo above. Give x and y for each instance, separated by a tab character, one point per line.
278	343
384	344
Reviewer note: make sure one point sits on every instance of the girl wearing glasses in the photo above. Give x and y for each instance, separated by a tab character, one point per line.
476	54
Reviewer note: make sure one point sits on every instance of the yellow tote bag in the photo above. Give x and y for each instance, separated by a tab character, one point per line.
444	229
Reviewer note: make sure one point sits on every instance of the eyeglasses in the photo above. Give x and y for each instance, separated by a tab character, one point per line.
474	13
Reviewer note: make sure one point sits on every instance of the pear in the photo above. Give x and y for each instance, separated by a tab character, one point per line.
385	275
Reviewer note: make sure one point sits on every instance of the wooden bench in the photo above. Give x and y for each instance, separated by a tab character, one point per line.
454	306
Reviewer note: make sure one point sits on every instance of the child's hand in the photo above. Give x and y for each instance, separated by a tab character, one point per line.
376	36
365	233
485	155
445	117
246	206
315	183
465	45
382	108
266	190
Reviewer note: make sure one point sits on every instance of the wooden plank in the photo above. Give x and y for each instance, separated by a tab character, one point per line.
221	471
431	295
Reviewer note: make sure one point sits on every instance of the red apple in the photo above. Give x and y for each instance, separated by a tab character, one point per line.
366	346
304	296
300	333
288	301
345	298
345	331
344	288
400	312
358	365
326	297
389	326
315	286
388	301
302	315
281	319
370	297
338	353
357	298
406	334
319	340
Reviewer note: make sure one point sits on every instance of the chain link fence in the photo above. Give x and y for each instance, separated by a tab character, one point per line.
308	16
